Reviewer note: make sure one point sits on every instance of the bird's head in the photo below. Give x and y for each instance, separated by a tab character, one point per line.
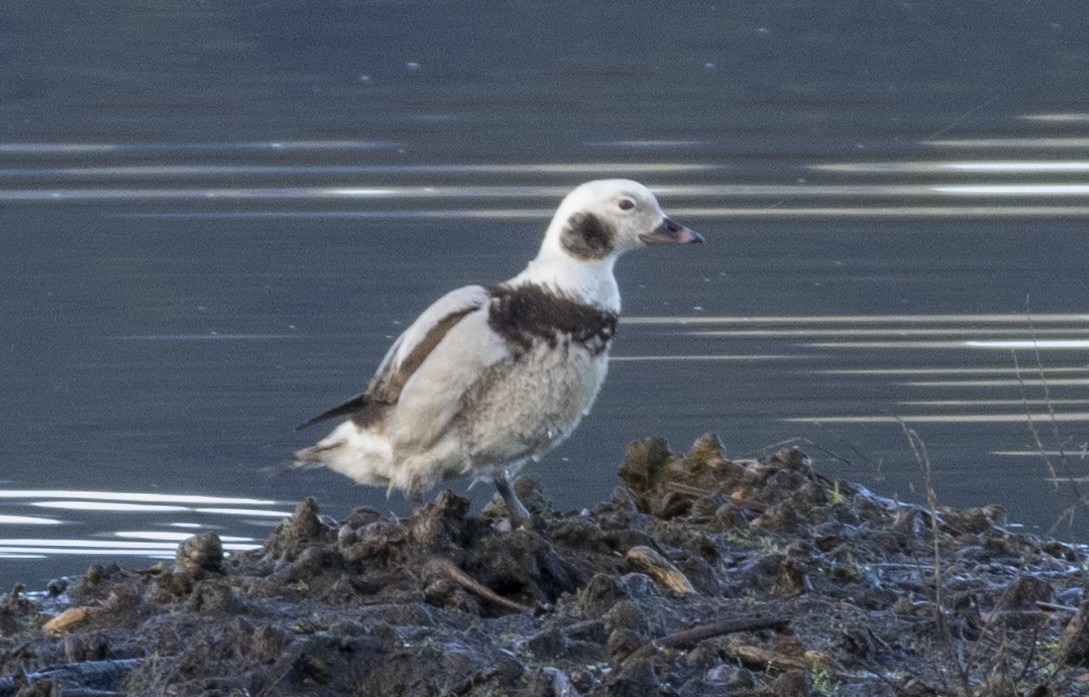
604	218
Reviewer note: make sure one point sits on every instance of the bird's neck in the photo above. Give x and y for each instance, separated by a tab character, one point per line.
590	282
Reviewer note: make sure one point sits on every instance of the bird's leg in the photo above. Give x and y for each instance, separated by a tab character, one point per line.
415	501
519	516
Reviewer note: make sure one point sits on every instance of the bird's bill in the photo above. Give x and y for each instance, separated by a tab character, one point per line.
670	232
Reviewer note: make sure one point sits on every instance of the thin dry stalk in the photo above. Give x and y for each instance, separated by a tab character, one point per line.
1055	432
1053	421
1053	474
953	654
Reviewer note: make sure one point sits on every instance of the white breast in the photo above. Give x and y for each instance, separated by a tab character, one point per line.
528	405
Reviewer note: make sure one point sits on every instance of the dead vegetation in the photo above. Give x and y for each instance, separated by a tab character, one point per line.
700	576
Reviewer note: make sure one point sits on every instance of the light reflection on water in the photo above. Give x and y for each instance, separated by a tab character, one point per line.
867	369
27	520
106	496
706	188
152	508
990	167
1005	399
735	191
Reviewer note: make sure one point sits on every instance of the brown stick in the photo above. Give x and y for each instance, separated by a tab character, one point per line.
68	619
649	562
687	638
690	490
1054	607
473	586
767	659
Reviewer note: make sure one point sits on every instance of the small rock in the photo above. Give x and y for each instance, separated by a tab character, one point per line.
40	688
622	643
306	524
782	517
268	643
974	520
637	585
200	554
529	493
635	678
346	536
1071	596
644	464
548	644
215	598
790	684
85	647
561	684
626	614
583	680
57	586
1024	592
791	459
729	517
441	520
706	451
1074	643
362	515
732	676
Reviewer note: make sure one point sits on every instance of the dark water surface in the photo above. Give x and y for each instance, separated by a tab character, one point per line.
216	217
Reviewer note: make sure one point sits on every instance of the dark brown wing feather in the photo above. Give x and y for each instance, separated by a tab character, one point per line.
385	388
356	403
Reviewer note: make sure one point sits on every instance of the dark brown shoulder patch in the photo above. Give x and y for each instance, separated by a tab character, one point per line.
587	236
530	312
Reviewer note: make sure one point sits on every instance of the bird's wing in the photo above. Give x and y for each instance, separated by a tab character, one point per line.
354	404
417	343
407	354
432	397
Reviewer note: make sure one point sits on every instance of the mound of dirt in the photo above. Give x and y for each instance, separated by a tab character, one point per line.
700	576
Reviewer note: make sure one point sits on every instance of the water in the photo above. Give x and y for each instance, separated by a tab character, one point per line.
216	219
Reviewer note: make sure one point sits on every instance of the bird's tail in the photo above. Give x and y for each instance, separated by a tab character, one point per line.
314	456
305	458
358	453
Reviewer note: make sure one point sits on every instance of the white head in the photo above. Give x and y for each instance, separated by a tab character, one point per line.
602	219
595	224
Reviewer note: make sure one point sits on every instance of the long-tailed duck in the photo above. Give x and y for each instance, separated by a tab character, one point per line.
489	378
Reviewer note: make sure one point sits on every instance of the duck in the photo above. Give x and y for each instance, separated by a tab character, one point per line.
492	377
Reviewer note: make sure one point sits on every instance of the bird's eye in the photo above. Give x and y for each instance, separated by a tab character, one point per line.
626	204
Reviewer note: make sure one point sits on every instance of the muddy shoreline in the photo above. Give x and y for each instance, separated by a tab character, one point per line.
699	576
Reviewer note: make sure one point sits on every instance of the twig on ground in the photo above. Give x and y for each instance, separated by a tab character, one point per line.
473	586
767	659
68	619
687	638
696	491
661	570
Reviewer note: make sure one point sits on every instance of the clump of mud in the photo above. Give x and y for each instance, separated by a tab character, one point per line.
700	576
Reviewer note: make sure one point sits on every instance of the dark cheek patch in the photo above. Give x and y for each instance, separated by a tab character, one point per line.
587	237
